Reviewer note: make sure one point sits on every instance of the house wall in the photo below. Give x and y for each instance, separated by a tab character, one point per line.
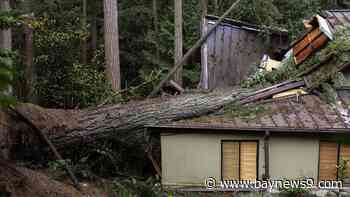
188	159
235	49
293	157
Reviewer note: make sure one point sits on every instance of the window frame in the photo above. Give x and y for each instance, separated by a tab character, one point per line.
239	157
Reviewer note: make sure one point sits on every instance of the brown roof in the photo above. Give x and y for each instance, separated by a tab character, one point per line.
308	114
338	17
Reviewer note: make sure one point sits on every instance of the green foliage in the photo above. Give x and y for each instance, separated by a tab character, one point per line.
10	19
261	12
337	52
343	169
293	12
89	86
265	78
59	32
296	192
133	187
62	81
325	78
6	76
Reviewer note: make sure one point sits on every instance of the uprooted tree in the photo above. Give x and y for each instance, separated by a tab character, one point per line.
66	128
70	127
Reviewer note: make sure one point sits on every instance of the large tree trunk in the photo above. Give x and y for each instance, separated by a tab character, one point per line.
29	72
84	41
112	43
93	35
178	40
72	127
5	34
156	27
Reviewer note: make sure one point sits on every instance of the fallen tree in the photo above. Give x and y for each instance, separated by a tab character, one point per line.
70	127
65	128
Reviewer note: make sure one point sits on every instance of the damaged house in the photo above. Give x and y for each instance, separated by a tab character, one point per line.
285	131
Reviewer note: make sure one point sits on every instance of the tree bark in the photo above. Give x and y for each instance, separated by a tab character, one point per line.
156	27
112	43
93	35
83	42
216	7
5	34
204	71
204	8
28	62
73	127
178	40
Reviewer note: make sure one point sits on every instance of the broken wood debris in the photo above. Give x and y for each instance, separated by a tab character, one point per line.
269	92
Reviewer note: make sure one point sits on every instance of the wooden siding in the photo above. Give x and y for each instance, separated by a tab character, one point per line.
232	52
328	161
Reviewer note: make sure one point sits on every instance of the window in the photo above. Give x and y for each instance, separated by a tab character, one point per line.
239	160
330	155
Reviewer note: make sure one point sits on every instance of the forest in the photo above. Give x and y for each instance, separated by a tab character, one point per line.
86	58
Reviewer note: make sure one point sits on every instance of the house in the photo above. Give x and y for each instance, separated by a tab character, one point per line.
295	137
238	47
292	136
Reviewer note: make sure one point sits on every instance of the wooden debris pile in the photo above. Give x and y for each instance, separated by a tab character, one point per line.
320	68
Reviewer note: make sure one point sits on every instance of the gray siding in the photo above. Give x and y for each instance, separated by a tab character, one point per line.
232	52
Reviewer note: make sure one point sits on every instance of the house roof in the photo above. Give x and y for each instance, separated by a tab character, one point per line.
293	114
338	17
248	26
307	114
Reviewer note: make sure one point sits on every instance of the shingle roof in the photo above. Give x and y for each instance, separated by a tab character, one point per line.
338	17
308	114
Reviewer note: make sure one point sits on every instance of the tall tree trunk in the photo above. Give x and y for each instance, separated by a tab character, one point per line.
204	72
156	27
112	43
93	35
204	8
178	40
5	34
216	7
83	42
29	71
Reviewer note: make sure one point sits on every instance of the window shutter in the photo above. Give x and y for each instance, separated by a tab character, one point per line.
248	169
328	161
230	160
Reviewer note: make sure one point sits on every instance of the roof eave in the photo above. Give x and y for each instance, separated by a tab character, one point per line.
207	128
